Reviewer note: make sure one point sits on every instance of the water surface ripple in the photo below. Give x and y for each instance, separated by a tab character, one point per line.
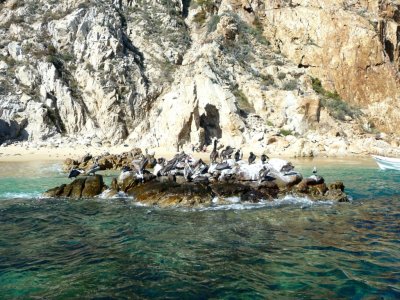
114	249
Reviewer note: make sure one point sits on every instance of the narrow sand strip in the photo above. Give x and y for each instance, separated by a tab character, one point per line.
19	153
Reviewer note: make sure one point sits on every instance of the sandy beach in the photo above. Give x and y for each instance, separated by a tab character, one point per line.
19	153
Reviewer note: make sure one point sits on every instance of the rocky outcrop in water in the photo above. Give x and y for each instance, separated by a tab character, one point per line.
300	78
169	193
177	184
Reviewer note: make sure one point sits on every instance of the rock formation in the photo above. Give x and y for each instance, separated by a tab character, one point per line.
301	78
82	187
205	185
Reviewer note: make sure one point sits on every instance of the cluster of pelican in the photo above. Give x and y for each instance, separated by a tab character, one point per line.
222	167
92	171
196	170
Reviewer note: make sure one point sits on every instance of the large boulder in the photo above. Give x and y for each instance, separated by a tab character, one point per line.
165	194
93	186
82	187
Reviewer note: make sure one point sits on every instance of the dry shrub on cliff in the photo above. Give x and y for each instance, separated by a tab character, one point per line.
337	108
242	101
290	85
213	23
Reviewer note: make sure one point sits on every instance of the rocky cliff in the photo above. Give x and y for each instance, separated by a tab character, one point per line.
303	78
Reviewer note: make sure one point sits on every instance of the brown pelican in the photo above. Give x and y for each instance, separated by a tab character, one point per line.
75	173
93	169
150	156
227	152
214	152
187	171
140	165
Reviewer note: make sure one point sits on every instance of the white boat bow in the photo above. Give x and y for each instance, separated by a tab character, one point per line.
385	163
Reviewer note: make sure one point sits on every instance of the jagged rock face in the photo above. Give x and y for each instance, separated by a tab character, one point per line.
79	65
172	73
352	46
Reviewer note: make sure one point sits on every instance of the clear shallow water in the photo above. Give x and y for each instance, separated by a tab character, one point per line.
116	249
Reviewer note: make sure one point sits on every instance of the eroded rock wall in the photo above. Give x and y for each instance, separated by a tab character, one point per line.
173	73
351	46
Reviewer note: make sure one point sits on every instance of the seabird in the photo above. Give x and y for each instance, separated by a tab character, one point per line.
237	155
252	158
142	165
75	172
214	152
222	166
264	158
227	152
314	171
187	171
93	169
262	174
171	164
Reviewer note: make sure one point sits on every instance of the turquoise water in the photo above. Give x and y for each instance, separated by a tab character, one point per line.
115	249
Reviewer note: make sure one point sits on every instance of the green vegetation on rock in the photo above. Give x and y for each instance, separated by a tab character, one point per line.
338	108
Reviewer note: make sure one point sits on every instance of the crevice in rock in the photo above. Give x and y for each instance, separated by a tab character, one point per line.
389	49
185	8
54	114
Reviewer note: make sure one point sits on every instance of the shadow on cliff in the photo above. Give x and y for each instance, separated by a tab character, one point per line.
210	122
185	8
12	131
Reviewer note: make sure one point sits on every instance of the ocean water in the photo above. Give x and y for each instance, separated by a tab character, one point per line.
116	249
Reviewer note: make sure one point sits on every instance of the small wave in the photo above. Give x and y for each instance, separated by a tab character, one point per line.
299	201
53	168
235	204
20	195
118	195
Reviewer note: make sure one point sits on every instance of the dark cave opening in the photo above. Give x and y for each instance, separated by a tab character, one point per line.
210	122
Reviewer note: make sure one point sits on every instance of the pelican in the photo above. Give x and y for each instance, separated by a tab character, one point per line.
214	152
93	169
263	174
75	173
227	152
150	156
187	171
252	158
140	165
160	164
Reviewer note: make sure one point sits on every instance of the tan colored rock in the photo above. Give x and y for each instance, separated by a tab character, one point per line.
237	70
339	44
228	27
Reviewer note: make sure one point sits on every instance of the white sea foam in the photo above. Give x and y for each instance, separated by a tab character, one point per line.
118	195
20	195
235	204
